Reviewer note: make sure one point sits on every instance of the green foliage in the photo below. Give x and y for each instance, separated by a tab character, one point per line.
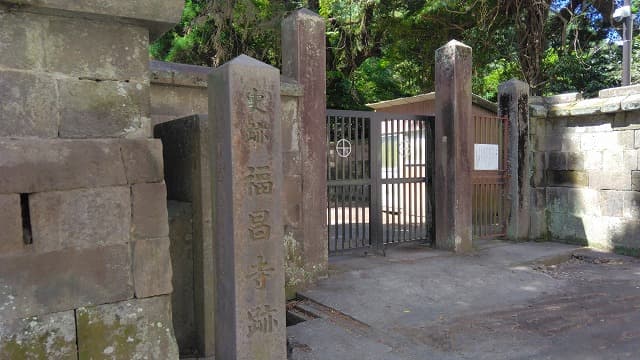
383	49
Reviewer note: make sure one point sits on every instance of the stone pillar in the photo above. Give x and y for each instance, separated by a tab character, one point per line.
244	105
513	102
304	59
85	270
453	148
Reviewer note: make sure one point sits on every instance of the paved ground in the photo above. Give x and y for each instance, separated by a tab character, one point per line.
505	301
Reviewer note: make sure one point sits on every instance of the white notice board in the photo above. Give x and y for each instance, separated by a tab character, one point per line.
486	157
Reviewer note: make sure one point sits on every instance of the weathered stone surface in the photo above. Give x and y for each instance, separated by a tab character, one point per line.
304	59
63	280
632	102
567	178
587	107
21	39
562	226
611	180
575	161
28	166
557	161
599	141
51	336
611	203
178	101
584	202
152	267
563	98
619	91
83	218
182	298
156	15
96	50
613	161
453	147
179	74
187	162
552	142
592	160
28	106
539	165
142	160
571	142
635	180
103	109
247	183
11	224
637	139
557	199
631	205
137	329
150	211
612	104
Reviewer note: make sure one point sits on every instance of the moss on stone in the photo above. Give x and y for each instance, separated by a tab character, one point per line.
120	339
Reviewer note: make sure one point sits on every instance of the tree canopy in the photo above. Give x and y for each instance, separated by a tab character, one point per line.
383	49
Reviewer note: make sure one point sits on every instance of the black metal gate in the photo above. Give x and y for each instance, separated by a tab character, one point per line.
379	171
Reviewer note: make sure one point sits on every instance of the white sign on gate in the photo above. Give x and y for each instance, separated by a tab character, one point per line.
486	157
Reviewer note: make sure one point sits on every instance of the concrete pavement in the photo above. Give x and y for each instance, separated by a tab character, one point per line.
503	301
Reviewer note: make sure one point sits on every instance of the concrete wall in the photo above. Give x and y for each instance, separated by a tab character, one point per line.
84	249
585	178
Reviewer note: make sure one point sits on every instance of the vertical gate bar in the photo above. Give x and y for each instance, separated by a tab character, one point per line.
396	174
357	176
375	154
386	176
423	178
328	149
414	180
405	189
350	177
401	186
342	167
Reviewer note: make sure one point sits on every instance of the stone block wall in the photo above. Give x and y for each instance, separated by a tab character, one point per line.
84	249
585	169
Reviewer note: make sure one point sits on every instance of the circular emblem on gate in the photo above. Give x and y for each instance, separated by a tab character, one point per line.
343	147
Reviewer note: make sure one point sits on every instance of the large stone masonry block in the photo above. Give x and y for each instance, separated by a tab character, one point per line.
99	109
592	160
28	106
557	161
562	226
51	336
138	329
569	178
73	47
21	41
10	225
584	202
637	139
96	50
610	180
613	161
557	199
142	160
626	139
611	203
28	166
575	161
157	16
35	284
150	218
631	205
599	141
81	218
152	267
635	180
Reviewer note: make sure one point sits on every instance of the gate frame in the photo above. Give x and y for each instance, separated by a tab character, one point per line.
376	232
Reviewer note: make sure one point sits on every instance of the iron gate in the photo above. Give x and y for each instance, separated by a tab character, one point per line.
489	178
379	171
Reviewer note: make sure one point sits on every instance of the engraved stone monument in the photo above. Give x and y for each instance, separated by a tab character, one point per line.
244	105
